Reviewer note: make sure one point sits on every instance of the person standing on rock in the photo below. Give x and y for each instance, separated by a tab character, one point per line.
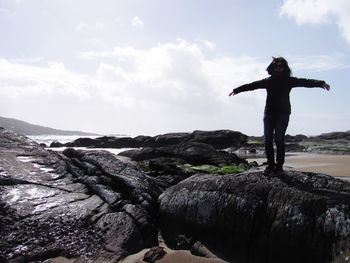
277	108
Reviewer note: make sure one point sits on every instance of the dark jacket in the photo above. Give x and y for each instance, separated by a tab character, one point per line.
278	89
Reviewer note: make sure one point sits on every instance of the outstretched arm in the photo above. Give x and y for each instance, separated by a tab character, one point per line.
309	83
260	84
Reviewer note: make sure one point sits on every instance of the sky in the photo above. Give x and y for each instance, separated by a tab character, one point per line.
157	66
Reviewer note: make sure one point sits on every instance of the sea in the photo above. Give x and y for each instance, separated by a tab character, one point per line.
48	139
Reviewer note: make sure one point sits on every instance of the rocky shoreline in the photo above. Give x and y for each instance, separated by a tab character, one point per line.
93	206
329	143
231	141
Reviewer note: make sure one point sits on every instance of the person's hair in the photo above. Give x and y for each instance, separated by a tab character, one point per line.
286	69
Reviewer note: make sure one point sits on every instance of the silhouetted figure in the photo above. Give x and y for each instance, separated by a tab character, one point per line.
277	108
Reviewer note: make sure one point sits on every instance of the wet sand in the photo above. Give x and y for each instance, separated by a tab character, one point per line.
335	165
172	256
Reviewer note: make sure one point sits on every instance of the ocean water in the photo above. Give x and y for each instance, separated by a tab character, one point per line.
48	139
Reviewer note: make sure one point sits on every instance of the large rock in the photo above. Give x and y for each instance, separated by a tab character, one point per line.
219	139
192	152
334	136
77	204
199	153
300	217
173	164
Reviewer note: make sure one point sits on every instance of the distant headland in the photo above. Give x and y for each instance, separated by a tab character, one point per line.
26	128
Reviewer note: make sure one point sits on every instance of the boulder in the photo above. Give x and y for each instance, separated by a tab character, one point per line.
295	139
299	217
219	139
154	254
147	153
172	164
192	152
75	204
197	153
56	144
83	142
169	139
333	136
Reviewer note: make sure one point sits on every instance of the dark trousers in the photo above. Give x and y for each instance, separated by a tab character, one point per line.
275	126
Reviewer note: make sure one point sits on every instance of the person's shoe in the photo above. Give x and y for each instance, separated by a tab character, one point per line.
269	170
278	171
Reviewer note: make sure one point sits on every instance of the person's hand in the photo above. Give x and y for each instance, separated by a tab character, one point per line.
232	93
326	86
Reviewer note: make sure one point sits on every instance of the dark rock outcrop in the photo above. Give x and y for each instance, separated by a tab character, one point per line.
76	204
328	143
295	139
300	217
92	205
219	139
334	136
155	253
192	152
173	164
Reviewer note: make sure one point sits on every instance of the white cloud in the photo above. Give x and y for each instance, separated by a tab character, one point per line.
100	25
81	26
210	45
169	87
319	12
20	81
318	63
137	22
32	60
4	11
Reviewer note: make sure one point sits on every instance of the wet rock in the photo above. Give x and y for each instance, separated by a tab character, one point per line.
198	249
300	217
155	253
183	242
120	231
200	153
79	204
173	164
295	139
56	144
219	139
148	153
191	152
169	139
334	136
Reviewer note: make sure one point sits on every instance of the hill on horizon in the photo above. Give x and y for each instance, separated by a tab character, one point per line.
26	128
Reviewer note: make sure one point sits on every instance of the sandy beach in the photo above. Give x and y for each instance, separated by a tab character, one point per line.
172	256
334	165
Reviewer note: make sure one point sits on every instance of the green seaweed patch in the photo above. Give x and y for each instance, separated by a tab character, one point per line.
232	169
212	169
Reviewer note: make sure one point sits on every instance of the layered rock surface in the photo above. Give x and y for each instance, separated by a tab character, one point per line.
300	217
76	204
93	206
